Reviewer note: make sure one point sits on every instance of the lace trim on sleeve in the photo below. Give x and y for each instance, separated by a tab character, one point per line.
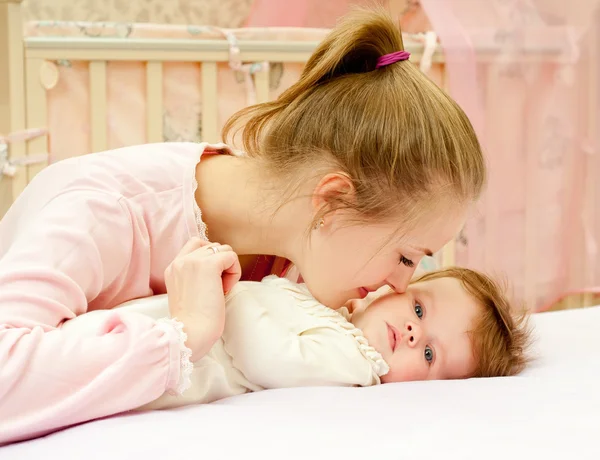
185	355
202	230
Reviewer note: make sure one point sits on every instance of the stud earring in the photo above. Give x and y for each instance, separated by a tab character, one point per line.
319	224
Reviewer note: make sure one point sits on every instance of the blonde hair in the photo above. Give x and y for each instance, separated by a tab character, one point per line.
500	336
401	140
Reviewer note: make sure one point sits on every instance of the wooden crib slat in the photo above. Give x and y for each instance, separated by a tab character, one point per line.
98	106
593	166
209	103
37	113
261	81
531	216
154	101
12	95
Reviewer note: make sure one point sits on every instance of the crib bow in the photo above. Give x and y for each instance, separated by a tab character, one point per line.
429	40
247	70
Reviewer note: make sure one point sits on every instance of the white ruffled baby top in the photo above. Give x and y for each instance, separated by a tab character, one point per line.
276	336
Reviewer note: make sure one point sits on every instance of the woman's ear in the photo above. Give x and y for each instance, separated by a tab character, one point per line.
331	189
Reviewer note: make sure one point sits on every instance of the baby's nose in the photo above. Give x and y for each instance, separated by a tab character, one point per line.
413	333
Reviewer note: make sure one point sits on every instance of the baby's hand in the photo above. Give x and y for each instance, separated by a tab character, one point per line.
197	281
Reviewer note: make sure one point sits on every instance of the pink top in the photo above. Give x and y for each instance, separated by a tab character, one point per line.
87	234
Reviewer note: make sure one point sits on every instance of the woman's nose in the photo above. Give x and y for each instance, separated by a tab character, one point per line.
400	279
413	333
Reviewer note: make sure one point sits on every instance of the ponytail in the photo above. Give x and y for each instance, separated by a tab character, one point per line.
402	140
353	47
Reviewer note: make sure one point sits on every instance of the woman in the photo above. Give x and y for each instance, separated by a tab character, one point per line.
353	175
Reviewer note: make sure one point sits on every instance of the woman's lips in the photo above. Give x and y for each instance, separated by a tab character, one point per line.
363	292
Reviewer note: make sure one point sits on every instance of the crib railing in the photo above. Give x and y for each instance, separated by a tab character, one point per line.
39	51
153	52
98	52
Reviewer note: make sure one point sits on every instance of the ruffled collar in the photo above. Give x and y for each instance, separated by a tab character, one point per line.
340	318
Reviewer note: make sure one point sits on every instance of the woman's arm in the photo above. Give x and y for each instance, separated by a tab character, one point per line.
76	249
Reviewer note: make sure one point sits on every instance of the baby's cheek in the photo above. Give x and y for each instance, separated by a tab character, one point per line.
406	370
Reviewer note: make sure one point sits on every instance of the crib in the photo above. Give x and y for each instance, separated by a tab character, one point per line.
86	65
74	88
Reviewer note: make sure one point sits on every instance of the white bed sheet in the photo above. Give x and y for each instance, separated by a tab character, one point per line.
550	411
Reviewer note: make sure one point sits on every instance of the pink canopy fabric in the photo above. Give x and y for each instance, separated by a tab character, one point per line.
536	105
527	72
303	13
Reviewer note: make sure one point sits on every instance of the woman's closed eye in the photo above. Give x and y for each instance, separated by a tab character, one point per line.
404	261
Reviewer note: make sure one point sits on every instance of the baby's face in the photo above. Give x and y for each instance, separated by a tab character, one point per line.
423	333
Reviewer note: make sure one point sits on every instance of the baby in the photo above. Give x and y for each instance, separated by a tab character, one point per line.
450	324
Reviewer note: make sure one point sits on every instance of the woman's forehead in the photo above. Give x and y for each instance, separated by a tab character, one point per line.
428	237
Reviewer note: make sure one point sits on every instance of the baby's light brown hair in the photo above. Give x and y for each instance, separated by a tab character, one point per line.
500	336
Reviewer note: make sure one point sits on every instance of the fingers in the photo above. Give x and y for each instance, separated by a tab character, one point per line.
193	244
227	262
219	256
218	248
229	265
232	274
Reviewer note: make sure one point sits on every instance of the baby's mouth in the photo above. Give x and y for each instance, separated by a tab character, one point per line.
392	336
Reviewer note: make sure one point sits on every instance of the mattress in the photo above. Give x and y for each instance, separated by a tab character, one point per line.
550	411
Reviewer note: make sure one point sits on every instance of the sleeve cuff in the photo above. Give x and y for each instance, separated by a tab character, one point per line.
186	367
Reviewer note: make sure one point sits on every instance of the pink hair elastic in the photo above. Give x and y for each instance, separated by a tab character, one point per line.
388	59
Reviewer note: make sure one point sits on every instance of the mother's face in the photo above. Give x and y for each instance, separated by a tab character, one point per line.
345	262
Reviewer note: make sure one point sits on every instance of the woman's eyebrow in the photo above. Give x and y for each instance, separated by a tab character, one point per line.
427	252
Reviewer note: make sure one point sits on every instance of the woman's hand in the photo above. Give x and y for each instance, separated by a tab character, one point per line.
197	281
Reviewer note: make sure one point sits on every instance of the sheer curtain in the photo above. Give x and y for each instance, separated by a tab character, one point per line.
299	13
527	74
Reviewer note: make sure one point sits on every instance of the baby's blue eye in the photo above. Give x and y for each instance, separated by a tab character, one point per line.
428	354
419	310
